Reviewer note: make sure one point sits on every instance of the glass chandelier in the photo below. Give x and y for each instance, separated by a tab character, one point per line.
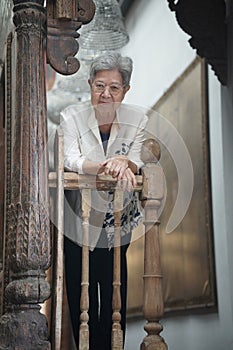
105	32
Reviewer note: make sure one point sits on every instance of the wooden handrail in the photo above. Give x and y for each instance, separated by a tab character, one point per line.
74	181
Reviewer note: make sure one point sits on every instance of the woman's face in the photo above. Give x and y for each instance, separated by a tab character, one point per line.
107	90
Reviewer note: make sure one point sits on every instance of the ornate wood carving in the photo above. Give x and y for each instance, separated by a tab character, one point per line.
64	18
205	21
23	326
8	79
151	196
6	164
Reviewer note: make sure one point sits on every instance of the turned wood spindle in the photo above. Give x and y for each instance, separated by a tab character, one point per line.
84	301
117	333
152	195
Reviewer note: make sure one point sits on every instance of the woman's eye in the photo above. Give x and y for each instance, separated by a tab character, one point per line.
114	88
100	86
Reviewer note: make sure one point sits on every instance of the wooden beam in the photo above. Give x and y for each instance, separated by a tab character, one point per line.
74	181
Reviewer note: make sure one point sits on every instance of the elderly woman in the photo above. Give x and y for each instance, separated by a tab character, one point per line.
104	137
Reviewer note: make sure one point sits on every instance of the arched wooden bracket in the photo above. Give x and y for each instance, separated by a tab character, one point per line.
205	22
62	46
64	19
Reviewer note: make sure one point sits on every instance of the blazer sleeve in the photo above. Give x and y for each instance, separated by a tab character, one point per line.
73	158
134	153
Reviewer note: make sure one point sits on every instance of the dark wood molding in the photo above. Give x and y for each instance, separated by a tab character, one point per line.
64	19
205	22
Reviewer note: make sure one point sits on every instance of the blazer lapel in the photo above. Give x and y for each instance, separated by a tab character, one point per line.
94	129
93	125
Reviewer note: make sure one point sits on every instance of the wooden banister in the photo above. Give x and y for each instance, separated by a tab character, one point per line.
150	185
74	181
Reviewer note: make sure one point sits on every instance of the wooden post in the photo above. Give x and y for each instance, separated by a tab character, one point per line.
23	326
58	268
84	302
152	195
117	333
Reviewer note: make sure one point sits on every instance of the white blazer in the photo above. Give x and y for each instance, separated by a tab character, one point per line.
82	141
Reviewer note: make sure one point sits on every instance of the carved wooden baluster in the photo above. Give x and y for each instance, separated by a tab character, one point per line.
56	324
152	195
84	302
23	326
117	333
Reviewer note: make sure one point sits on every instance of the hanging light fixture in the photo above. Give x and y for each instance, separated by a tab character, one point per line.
105	32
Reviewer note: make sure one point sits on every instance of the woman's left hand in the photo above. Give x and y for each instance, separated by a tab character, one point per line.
128	180
118	167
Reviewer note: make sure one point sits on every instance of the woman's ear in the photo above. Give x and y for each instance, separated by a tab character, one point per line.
89	82
126	89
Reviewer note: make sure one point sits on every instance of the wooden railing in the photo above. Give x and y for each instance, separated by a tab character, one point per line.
150	186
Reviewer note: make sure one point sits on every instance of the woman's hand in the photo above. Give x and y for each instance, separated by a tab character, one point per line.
118	167
128	180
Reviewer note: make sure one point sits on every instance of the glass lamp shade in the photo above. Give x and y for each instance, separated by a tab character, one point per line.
106	31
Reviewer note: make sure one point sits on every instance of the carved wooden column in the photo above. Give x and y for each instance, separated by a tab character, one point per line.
8	79
152	195
23	326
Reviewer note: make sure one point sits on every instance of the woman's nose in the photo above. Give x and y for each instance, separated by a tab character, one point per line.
106	93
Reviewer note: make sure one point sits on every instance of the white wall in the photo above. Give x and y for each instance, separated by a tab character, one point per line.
161	52
159	49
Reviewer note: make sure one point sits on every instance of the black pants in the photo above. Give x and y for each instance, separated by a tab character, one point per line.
100	292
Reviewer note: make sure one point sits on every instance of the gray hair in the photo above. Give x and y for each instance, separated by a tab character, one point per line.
110	61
